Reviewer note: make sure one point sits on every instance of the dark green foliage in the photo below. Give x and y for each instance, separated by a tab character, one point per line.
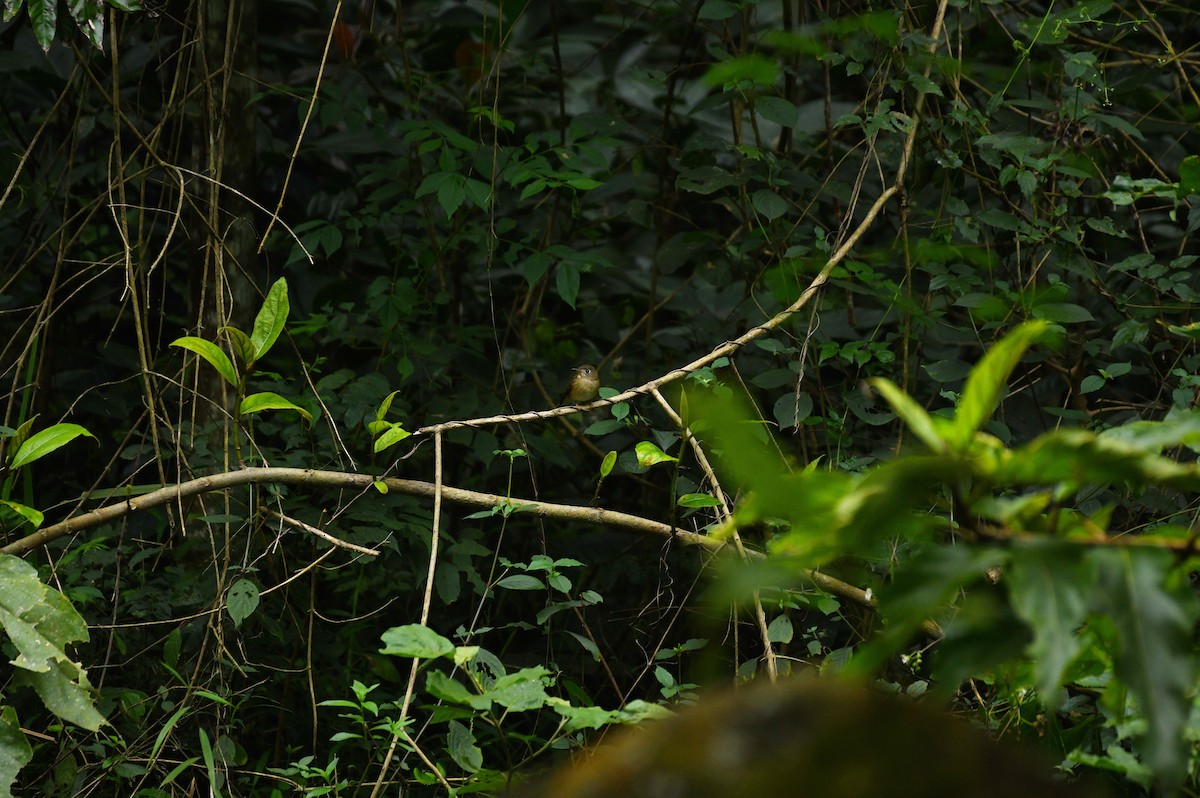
981	421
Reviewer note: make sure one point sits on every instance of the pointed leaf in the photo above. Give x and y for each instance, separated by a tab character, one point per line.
257	402
919	422
43	443
212	353
271	318
986	382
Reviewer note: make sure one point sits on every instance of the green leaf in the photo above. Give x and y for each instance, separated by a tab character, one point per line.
258	402
242	347
242	600
30	514
461	745
521	691
15	752
44	16
648	454
769	204
212	353
1154	623
919	422
780	630
1189	176
272	317
753	69
986	383
606	466
394	435
442	687
778	110
1049	585
415	640
521	582
48	440
566	281
1063	313
693	500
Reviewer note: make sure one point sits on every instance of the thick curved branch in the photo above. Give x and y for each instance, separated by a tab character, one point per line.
343	479
412	487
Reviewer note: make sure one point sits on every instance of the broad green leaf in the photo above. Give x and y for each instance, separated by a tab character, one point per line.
780	630
44	16
461	745
442	687
258	402
1049	585
520	691
986	383
271	318
394	435
242	600
212	353
919	422
521	582
15	752
648	454
48	440
566	281
1156	658
66	692
415	640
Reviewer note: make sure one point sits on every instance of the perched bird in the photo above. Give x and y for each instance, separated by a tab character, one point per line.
583	387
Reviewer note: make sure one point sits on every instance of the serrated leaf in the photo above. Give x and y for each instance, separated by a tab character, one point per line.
272	317
1049	585
1154	625
212	353
48	440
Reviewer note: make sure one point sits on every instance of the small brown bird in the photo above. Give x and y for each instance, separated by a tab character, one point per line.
584	386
